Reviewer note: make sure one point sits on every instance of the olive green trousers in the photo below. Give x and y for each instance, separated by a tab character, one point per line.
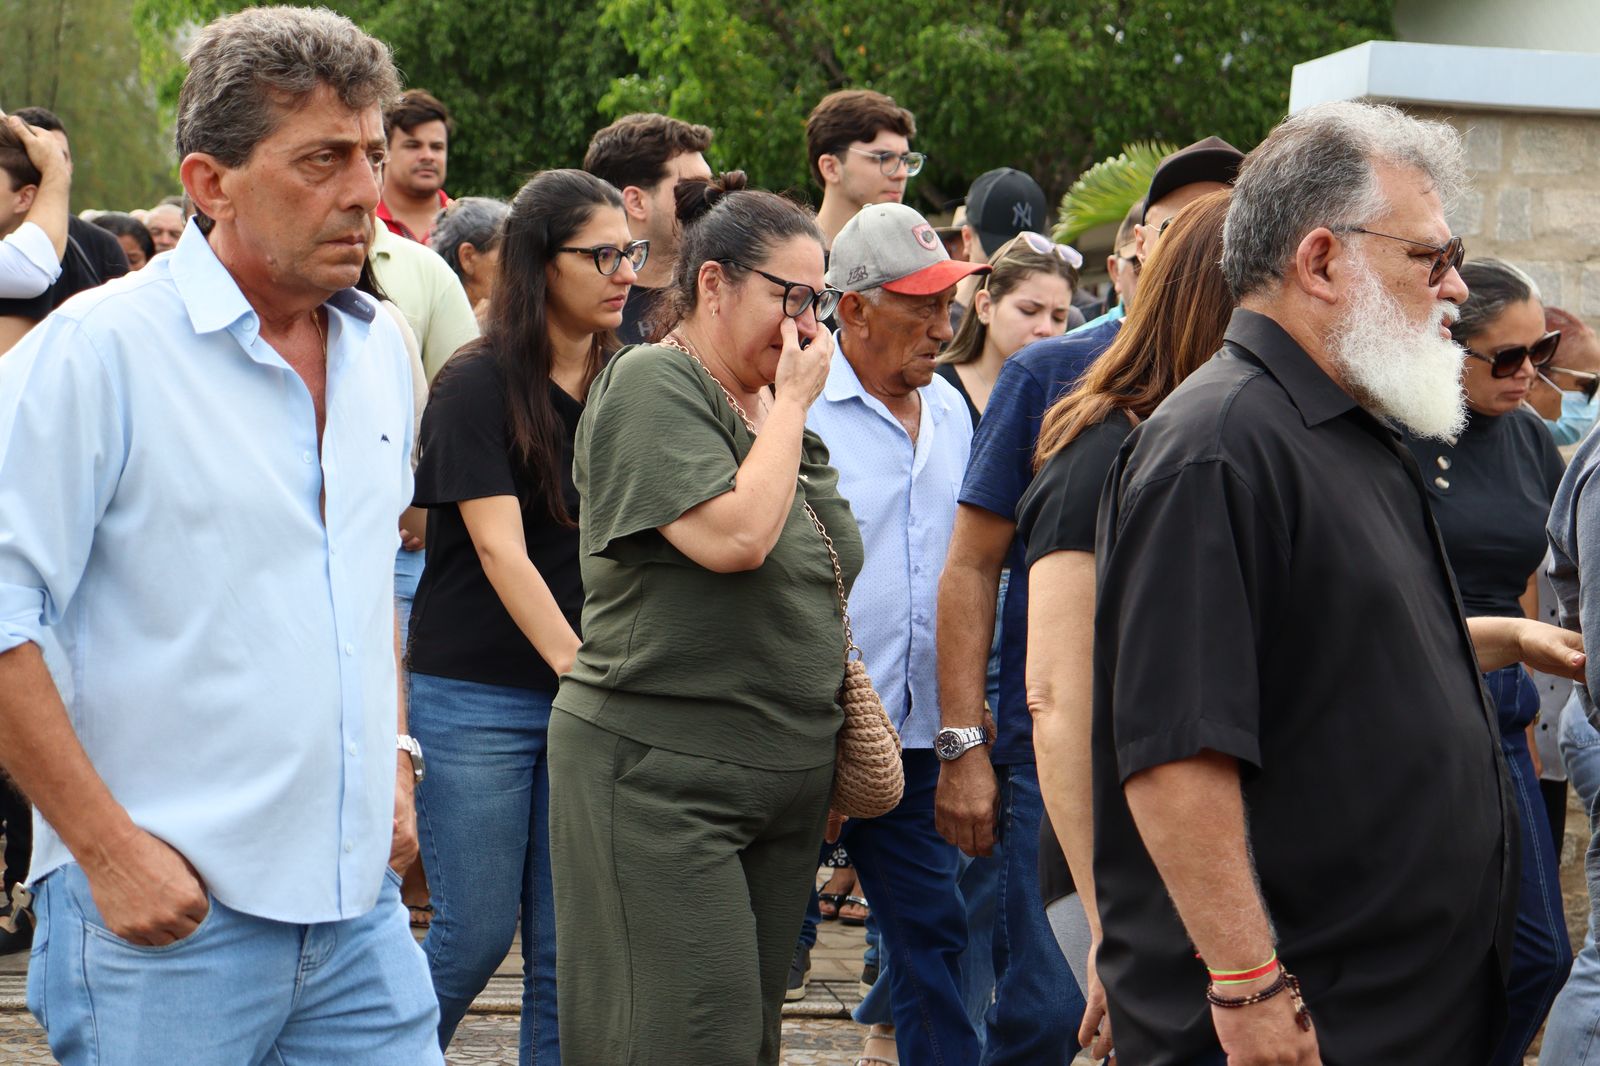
680	886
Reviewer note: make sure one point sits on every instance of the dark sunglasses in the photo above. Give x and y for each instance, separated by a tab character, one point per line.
797	296
608	257
1446	256
1506	363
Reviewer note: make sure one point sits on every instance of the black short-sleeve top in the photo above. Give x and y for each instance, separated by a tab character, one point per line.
459	627
1058	513
1272	586
739	667
1491	490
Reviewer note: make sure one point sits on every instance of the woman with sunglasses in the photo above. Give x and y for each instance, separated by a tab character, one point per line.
1026	297
495	622
1491	490
693	742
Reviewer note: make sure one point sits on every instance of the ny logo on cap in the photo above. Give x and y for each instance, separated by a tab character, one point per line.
925	236
1022	215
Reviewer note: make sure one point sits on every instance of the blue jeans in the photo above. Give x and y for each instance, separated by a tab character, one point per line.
407	572
1541	954
1037	1005
908	871
238	991
483	822
1572	1037
980	885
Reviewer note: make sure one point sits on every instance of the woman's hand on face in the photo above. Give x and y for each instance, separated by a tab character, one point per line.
802	371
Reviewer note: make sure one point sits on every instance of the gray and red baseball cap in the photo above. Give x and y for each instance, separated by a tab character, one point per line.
893	247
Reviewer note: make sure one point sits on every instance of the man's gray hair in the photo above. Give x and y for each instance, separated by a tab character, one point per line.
1319	168
474	220
246	71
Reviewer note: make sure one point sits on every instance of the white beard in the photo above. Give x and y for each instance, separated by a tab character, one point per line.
1398	370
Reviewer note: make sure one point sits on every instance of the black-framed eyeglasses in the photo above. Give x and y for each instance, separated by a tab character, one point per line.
1505	364
798	296
608	257
1446	256
889	163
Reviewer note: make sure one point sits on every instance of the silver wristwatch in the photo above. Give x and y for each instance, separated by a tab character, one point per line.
953	743
410	746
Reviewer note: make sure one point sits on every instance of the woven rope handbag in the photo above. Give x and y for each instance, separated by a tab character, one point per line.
868	779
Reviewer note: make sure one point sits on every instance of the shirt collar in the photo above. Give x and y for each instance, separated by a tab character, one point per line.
213	298
1310	389
399	228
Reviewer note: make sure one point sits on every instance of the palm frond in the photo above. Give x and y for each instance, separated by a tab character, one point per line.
1103	193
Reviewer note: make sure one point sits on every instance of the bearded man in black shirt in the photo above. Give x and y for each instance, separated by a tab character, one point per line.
1296	770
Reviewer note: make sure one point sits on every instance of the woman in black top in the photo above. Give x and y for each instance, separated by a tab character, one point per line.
1025	298
1176	326
496	615
1491	489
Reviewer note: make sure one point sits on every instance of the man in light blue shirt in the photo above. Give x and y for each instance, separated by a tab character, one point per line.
202	467
899	437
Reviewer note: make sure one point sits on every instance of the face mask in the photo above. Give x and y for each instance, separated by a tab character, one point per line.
1578	416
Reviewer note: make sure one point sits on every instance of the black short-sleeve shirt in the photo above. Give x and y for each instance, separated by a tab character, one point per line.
1491	490
640	304
459	627
1272	587
93	257
1057	514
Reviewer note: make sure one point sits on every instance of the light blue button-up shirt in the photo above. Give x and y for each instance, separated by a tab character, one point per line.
231	652
904	499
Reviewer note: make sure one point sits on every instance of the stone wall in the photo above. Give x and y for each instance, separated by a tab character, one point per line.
1534	199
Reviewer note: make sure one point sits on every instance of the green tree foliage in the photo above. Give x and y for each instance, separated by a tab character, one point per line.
523	78
79	59
1103	193
1049	86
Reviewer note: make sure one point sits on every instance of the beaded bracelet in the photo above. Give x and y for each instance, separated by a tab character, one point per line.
1285	980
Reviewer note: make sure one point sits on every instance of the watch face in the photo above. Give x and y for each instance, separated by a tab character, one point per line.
947	744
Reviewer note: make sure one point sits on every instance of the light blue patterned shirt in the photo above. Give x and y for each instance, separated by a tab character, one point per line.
904	500
231	654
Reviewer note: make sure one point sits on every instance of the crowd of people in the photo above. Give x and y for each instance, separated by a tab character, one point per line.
374	561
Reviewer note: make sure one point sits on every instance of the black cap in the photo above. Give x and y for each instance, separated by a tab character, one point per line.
1002	203
1212	159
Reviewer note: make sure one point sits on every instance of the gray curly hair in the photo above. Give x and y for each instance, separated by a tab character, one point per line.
1319	168
248	70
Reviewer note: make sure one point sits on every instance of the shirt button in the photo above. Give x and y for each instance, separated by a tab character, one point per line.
305	457
349	649
1444	463
351	749
1441	482
349	846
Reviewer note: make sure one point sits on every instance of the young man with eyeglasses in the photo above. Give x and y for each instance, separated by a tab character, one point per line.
989	803
858	143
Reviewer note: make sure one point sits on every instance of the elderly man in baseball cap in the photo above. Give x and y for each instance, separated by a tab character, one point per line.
899	437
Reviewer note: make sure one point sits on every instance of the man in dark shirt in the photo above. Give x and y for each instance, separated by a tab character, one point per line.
1279	647
645	156
93	256
1037	1006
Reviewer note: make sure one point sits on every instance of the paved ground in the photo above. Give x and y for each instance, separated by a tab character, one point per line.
816	1030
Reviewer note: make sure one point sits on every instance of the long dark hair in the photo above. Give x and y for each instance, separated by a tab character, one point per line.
1176	325
545	214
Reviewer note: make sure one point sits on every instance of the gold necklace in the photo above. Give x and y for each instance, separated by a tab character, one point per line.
316	321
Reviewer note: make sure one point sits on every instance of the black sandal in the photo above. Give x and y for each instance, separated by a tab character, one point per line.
832	899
